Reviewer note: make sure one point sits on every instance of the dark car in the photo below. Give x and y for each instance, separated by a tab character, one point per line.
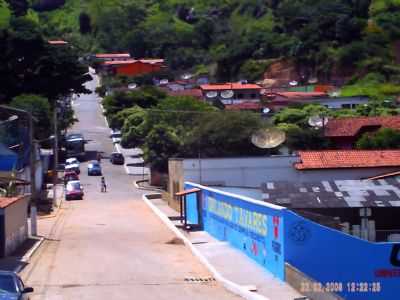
12	287
73	190
117	158
94	168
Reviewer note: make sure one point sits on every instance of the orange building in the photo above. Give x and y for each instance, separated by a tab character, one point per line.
133	67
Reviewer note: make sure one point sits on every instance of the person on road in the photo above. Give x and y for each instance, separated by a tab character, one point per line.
103	185
99	157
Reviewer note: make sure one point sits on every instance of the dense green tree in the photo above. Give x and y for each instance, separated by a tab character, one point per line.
39	107
18	7
5	15
384	138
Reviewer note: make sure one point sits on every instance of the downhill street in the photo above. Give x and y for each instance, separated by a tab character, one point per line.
110	245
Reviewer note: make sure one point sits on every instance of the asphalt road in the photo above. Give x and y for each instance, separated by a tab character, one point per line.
110	245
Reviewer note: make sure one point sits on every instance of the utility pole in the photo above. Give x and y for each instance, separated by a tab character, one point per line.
55	154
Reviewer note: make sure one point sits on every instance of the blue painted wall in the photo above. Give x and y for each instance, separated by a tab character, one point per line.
364	269
254	228
353	268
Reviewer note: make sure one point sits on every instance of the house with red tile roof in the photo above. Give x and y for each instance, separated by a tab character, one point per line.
132	67
57	42
347	159
279	100
344	132
112	56
231	93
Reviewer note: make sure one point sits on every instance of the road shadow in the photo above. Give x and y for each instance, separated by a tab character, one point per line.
141	164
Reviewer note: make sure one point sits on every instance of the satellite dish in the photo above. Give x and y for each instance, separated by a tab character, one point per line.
317	121
132	86
163	81
266	110
227	94
268	138
313	80
293	83
186	76
211	94
334	94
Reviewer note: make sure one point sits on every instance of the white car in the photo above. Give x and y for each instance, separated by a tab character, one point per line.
116	136
72	164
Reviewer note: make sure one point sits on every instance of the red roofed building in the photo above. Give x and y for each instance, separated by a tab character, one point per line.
344	132
132	67
279	100
57	42
112	56
339	159
232	93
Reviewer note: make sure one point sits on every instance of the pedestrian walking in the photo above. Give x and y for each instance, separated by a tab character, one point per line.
103	185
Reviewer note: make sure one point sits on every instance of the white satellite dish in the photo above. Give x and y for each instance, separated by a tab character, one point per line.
186	76
132	86
293	83
334	94
211	94
268	138
227	94
163	81
317	121
266	110
313	80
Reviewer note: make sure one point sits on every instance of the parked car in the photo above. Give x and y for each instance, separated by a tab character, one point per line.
70	176
116	136
12	287
73	190
117	158
72	164
94	168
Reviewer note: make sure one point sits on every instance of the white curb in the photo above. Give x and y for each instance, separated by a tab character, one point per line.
29	254
229	285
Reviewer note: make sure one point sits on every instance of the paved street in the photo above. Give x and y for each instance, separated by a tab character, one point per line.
110	245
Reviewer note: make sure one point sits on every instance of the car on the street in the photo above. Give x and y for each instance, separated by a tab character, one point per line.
94	168
70	176
73	190
116	136
117	158
12	287
72	164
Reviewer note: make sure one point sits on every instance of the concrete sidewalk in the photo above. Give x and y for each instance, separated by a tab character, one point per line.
232	264
133	161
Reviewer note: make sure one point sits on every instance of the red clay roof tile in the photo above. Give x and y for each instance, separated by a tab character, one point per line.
230	86
332	159
351	126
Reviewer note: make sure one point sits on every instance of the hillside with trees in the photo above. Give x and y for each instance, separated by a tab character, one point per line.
233	39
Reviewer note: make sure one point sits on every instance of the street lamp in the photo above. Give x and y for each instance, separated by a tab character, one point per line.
10	119
32	163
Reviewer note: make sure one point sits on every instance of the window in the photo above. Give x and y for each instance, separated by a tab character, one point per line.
346	105
240	96
253	96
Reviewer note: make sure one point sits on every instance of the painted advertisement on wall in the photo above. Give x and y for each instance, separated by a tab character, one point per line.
249	225
353	268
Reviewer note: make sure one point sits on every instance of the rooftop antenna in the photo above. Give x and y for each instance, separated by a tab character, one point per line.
268	138
317	121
